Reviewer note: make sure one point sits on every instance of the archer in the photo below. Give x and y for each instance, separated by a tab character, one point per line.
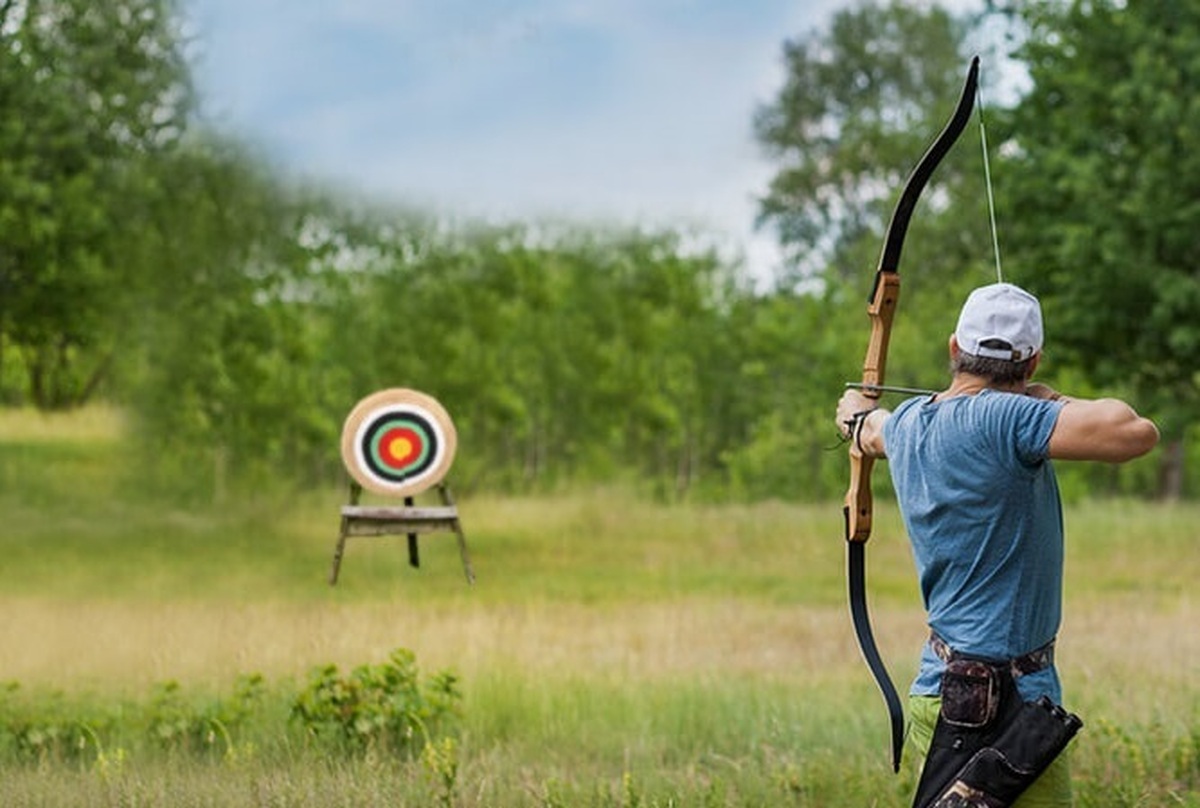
971	467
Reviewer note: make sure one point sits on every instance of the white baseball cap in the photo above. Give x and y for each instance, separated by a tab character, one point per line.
1000	321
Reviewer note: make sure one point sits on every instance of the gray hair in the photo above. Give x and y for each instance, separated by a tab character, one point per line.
1001	372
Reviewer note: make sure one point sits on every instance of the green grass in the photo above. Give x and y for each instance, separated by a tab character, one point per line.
613	652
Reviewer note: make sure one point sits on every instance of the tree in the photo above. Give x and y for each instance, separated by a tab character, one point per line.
1104	166
234	382
91	93
564	353
859	105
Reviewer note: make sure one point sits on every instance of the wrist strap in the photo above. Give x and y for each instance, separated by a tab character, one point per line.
855	425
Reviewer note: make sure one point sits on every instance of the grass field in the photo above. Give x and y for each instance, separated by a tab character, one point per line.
612	652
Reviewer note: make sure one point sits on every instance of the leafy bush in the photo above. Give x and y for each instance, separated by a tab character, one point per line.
48	731
377	706
176	724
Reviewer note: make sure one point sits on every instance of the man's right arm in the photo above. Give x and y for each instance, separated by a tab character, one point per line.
1105	429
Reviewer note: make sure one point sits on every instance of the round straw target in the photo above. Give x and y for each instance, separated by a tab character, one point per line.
398	442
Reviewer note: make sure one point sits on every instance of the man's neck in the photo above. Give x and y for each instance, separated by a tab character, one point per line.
968	384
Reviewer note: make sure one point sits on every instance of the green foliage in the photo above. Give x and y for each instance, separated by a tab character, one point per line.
860	103
175	724
221	358
1101	162
440	759
563	357
1094	196
743	742
49	730
1153	765
377	708
93	94
238	317
382	708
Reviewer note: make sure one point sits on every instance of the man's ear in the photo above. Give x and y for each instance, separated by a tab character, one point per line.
953	346
1033	363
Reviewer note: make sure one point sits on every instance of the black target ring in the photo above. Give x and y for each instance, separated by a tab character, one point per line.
419	439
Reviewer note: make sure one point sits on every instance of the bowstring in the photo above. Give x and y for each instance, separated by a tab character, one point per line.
987	175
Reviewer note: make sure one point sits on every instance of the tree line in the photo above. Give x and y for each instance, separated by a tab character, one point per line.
237	315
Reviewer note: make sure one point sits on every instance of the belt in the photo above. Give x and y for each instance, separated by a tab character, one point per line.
1036	660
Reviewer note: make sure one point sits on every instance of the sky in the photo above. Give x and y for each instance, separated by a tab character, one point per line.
611	111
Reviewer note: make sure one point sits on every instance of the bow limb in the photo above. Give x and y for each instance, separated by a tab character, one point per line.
858	508
886	295
881	310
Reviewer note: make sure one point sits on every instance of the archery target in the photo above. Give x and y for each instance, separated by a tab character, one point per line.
398	442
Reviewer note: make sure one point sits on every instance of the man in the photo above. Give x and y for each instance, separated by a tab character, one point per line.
981	505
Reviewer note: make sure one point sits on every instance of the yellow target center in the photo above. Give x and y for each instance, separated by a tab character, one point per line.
400	448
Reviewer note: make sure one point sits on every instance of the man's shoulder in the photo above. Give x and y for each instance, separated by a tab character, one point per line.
1004	402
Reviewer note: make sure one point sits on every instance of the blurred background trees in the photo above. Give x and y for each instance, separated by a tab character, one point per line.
1103	166
236	315
92	95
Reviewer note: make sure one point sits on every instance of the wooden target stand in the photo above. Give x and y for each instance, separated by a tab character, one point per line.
399	443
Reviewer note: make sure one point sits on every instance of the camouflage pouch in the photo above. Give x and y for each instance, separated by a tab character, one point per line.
971	691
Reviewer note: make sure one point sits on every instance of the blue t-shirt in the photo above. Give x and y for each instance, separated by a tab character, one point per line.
980	501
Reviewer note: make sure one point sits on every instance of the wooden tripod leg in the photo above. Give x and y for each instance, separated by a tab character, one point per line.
448	500
338	551
462	551
355	493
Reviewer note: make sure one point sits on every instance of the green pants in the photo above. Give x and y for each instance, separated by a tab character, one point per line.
1051	790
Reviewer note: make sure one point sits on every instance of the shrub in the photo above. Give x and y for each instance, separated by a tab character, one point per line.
378	707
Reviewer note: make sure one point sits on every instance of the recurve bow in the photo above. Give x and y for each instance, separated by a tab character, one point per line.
881	310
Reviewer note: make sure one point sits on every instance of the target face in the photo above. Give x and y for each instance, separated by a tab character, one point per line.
398	442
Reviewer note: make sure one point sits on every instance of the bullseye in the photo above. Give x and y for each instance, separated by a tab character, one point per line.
400	446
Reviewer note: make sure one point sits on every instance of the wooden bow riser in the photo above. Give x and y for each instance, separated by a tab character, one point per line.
882	309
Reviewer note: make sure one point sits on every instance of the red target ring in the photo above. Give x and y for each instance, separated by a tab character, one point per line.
398	442
401	446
